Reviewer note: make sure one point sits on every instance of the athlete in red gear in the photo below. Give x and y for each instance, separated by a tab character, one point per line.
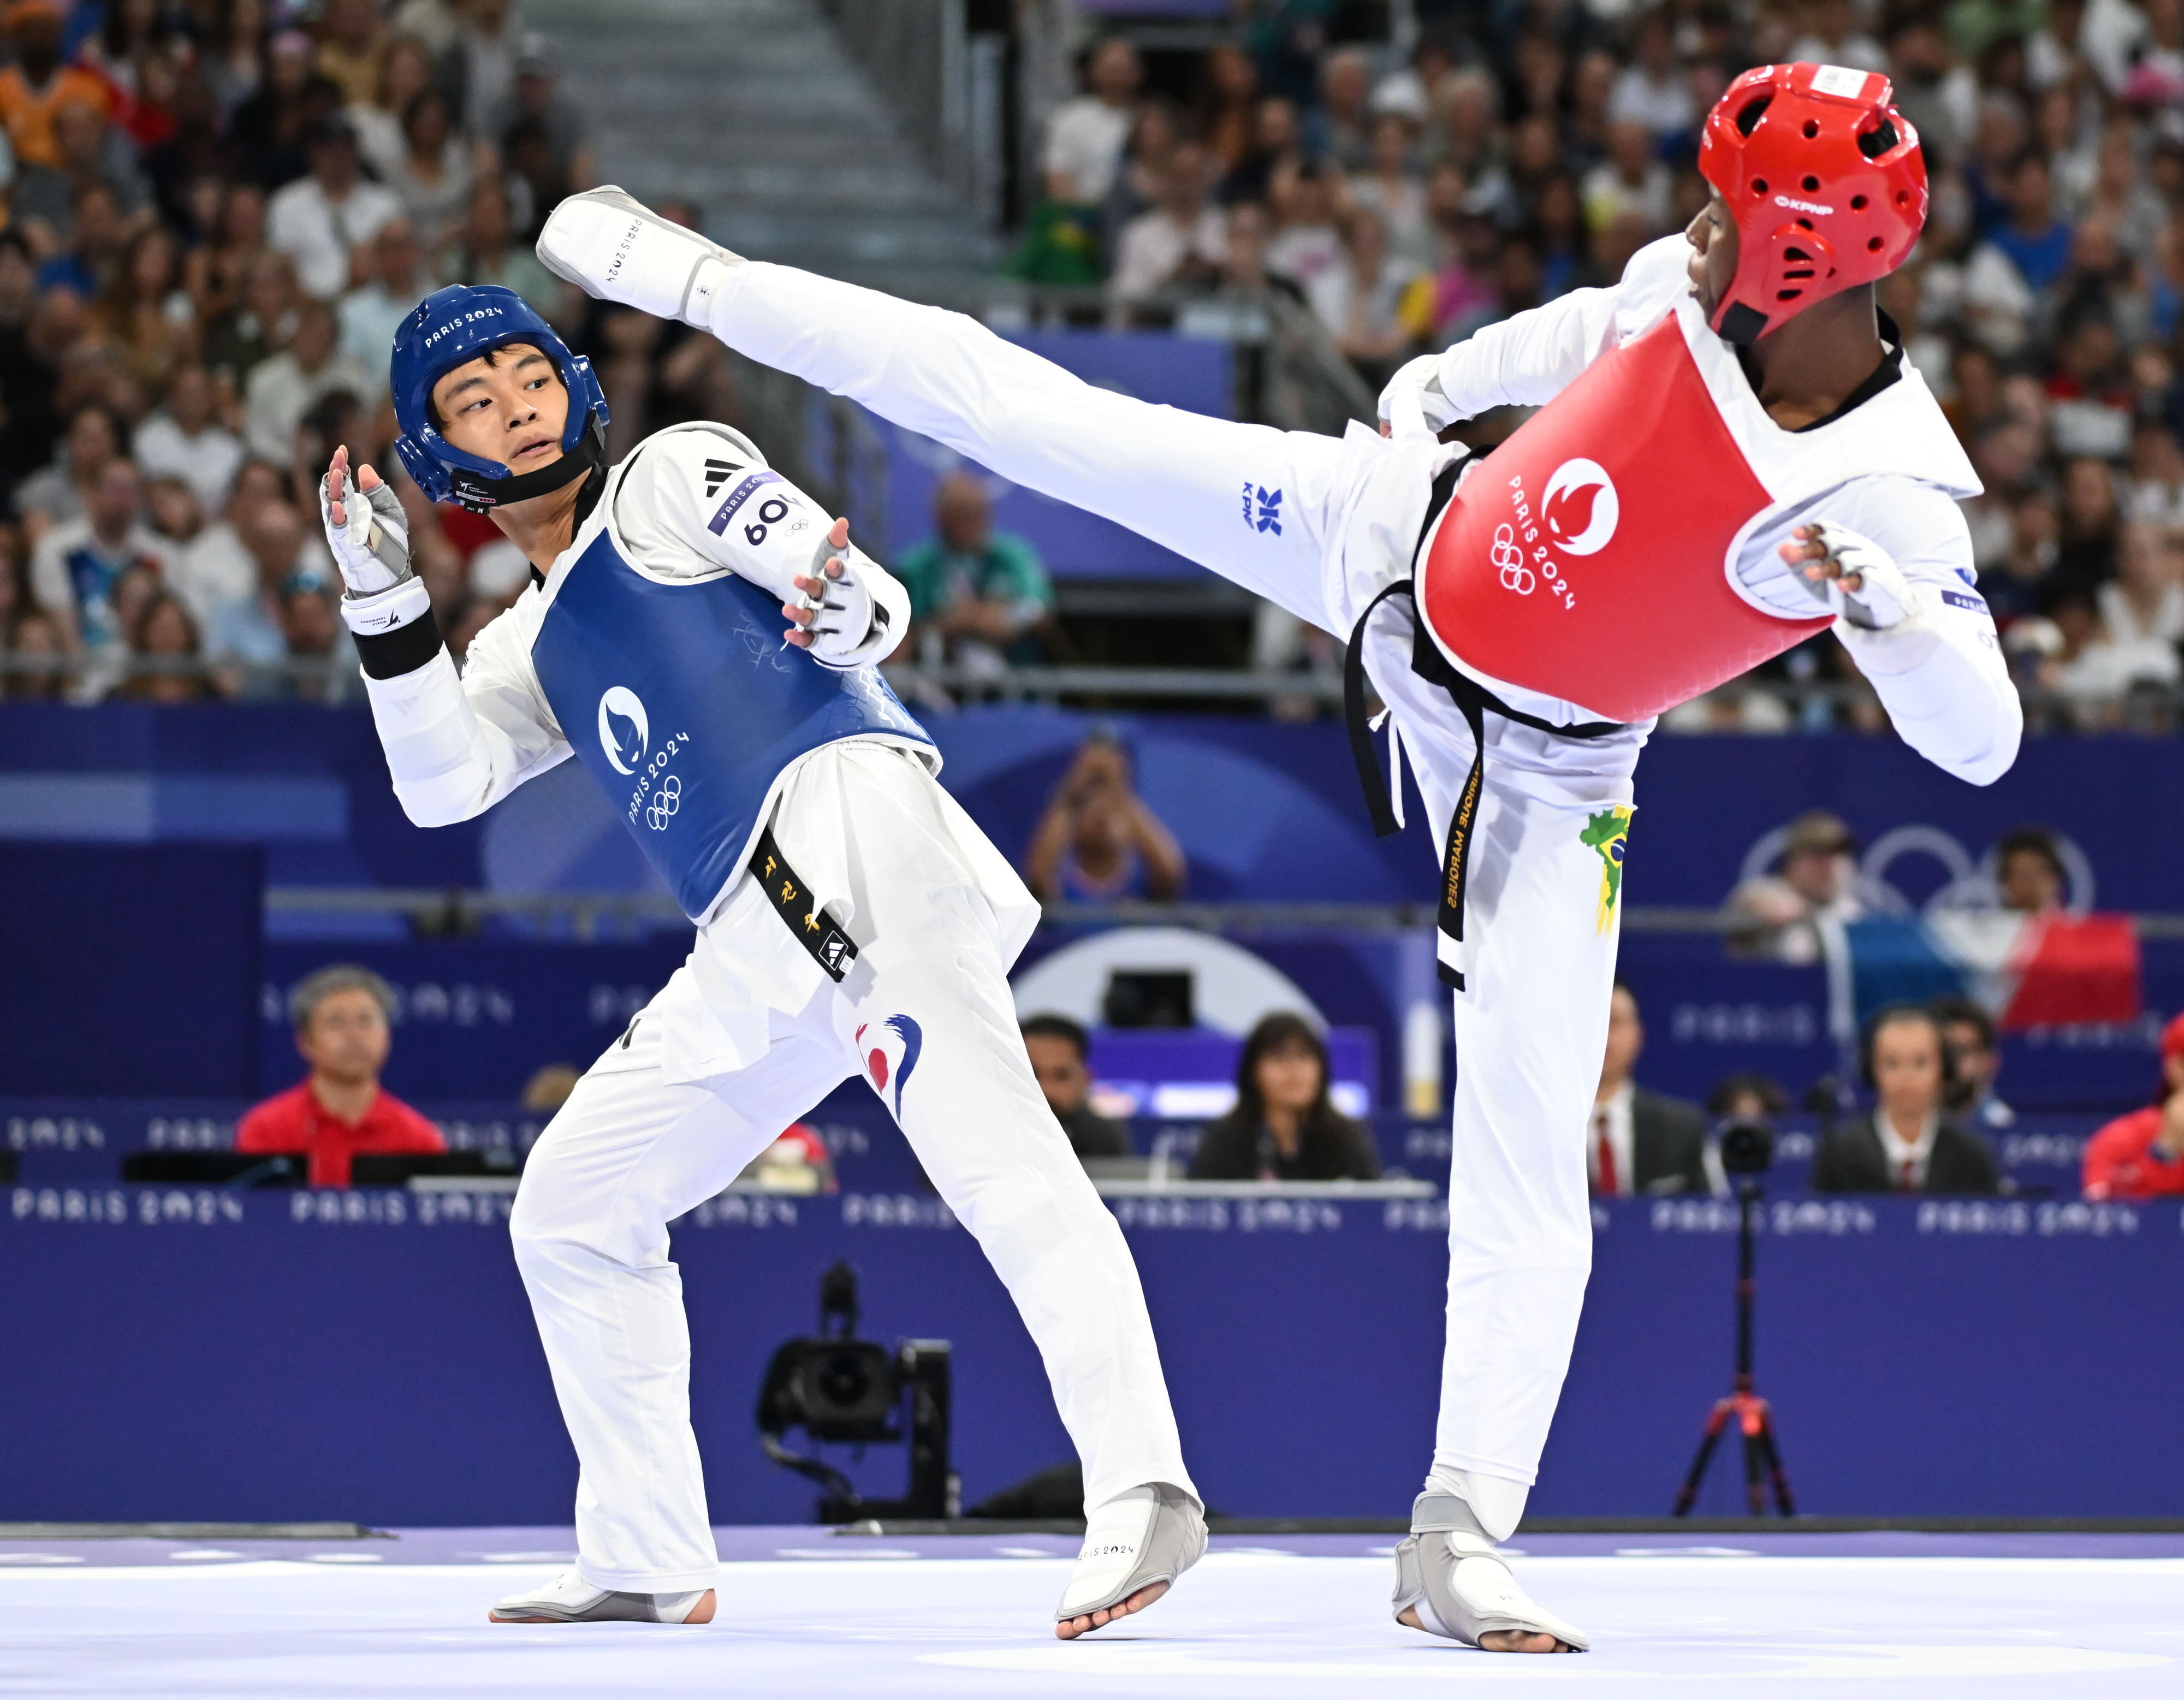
1730	458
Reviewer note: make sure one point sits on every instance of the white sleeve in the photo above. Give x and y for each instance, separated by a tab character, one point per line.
707	492
1940	674
457	745
1530	358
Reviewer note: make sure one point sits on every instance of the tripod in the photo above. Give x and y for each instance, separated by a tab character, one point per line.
1750	1413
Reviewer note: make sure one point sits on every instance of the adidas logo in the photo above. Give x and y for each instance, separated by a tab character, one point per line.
717	474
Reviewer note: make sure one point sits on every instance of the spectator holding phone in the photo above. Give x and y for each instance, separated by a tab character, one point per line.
1098	842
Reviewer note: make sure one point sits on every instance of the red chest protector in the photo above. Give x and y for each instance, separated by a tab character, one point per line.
1586	558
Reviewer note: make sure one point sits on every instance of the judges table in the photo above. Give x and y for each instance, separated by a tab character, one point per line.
185	1353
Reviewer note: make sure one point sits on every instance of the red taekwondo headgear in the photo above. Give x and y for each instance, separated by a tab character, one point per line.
1825	181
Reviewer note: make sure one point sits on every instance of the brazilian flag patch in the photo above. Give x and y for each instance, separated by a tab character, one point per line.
1608	833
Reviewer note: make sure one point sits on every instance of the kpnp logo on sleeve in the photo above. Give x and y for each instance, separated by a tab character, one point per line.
625	732
1262	508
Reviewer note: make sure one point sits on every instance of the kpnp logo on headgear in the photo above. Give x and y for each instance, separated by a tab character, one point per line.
625	732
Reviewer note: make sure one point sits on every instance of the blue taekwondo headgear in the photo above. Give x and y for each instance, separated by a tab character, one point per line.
456	325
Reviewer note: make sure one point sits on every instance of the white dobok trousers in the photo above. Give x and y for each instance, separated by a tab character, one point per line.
635	1147
1295	517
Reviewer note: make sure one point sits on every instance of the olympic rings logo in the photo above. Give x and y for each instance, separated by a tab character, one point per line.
1508	556
664	803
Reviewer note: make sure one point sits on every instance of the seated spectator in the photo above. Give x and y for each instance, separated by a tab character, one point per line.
1282	1127
1395	190
1306	241
404	72
321	220
94	155
1632	179
164	629
1083	147
433	176
536	101
215	566
1641	1141
251	628
1098	842
371	314
1337	133
185	440
312	631
1777	916
35	86
283	389
339	1112
1746	1098
2145	604
2029	874
240	338
93	246
2141	1156
75	567
488	251
273	128
1970	1032
55	493
1907	1144
1180	244
1057	1047
977	596
1361	300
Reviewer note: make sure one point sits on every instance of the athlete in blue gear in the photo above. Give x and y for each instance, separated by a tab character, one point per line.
704	640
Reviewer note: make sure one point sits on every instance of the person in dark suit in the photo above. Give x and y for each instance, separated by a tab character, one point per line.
1058	1048
1907	1144
1282	1127
1642	1141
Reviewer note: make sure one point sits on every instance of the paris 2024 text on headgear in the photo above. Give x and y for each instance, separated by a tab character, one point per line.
450	327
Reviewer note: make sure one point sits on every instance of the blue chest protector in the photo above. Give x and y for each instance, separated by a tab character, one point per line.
685	705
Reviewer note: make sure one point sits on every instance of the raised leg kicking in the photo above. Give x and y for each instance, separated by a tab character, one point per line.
1733	455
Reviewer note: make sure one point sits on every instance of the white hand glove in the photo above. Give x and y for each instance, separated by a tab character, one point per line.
1419	380
611	245
842	616
371	536
1862	584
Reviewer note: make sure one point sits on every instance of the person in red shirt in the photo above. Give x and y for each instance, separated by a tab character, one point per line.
2142	1155
339	1111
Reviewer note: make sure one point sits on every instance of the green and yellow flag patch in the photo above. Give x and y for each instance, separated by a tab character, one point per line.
1609	833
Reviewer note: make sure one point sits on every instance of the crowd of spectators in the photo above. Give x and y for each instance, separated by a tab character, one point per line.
1529	149
216	214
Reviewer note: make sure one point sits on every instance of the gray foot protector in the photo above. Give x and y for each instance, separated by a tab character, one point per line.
606	1607
1461	1587
1173	1541
622	201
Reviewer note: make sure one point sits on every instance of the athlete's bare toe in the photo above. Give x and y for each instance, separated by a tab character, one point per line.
1069	1629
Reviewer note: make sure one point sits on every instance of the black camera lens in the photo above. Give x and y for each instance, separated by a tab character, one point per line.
1747	1147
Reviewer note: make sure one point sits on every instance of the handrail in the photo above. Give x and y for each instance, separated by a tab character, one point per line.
586	908
2147	707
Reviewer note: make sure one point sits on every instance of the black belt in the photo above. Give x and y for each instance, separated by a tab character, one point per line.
1473	701
829	946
